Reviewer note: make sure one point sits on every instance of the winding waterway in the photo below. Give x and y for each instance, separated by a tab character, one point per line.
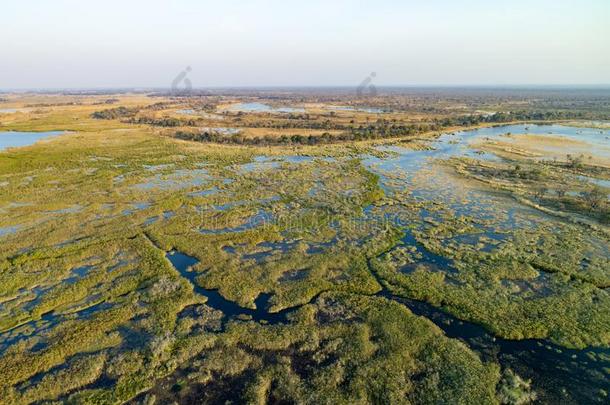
558	375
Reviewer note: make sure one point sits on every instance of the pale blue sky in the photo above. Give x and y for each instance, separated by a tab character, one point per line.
143	43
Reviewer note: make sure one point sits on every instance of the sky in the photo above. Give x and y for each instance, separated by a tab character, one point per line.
235	43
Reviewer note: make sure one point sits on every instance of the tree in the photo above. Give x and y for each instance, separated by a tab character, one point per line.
561	191
575	162
540	192
595	197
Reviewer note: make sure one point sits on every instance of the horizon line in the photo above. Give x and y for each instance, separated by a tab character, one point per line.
296	86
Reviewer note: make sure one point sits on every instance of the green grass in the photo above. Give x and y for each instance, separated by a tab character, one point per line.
327	250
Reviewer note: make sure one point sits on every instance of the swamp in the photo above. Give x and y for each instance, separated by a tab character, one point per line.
286	247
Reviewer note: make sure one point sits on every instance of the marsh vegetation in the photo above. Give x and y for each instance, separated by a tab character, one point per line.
467	267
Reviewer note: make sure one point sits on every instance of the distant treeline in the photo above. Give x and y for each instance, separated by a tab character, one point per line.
164	122
361	133
302	122
502	117
129	116
238	139
107	101
195	122
297	123
383	129
160	106
115	113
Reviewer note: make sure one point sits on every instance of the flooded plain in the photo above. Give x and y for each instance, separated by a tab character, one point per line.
557	373
491	220
258	240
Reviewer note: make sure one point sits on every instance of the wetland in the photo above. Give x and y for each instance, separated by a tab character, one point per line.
445	258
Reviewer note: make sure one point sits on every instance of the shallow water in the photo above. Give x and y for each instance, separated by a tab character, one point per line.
8	230
201	114
183	178
551	367
221	130
204	193
136	207
559	375
411	170
593	180
74	209
424	255
263	162
456	144
18	139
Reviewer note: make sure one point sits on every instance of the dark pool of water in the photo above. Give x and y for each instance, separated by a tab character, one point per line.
166	215
183	264
558	375
426	255
46	322
78	273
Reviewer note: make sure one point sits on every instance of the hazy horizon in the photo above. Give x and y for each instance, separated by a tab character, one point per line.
68	44
508	87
